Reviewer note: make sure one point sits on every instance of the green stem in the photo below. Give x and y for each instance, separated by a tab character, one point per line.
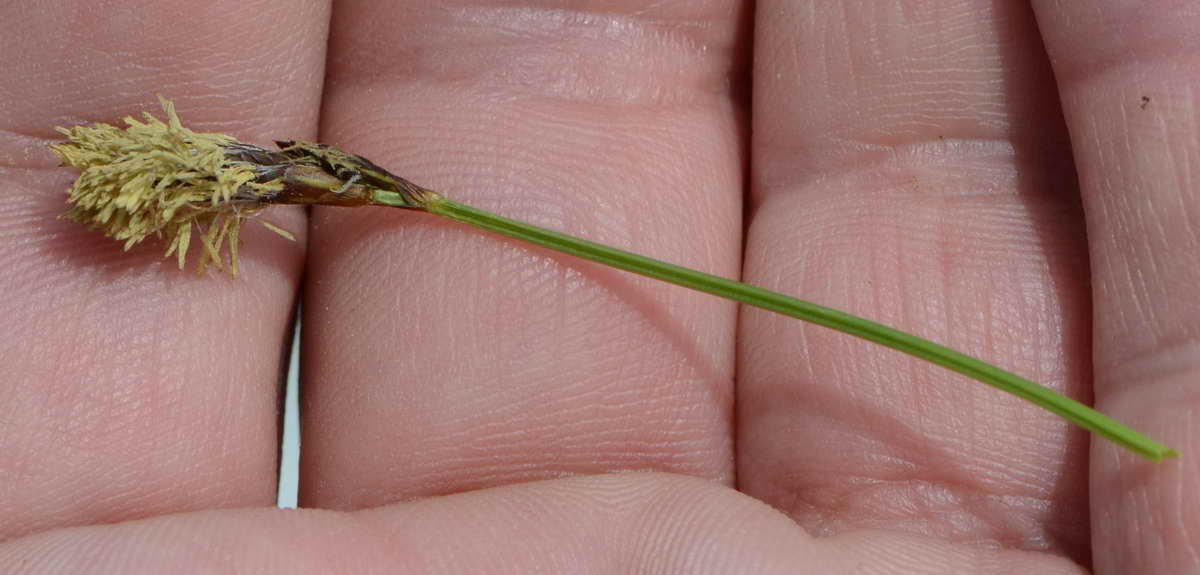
1066	407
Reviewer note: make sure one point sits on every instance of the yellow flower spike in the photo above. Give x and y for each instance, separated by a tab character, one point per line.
162	179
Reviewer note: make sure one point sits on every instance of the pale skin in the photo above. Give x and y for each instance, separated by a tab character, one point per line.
1016	181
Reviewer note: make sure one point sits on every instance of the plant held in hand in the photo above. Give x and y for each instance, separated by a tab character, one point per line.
162	179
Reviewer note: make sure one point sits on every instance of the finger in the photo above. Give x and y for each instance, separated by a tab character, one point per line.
130	388
1129	78
910	166
462	360
633	523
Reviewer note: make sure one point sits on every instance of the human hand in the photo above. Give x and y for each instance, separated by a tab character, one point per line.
909	162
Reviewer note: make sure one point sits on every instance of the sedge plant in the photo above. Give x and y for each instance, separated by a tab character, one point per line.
156	178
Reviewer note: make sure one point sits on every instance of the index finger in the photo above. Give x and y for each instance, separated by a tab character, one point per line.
131	388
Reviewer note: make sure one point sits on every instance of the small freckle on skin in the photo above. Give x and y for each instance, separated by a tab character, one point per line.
1145	102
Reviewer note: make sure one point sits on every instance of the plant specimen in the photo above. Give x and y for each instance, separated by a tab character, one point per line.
162	179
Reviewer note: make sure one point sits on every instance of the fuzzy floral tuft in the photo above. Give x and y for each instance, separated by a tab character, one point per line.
162	179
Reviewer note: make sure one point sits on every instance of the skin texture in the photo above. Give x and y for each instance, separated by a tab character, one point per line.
1016	181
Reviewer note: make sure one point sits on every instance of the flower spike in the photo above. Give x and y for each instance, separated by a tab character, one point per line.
160	178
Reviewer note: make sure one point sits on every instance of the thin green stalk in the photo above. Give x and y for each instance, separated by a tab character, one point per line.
1066	407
